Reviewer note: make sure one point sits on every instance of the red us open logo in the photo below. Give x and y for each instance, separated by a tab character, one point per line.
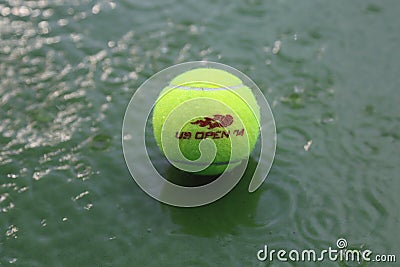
221	122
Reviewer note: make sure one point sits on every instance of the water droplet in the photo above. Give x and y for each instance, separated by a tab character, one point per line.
100	142
277	47
127	137
83	170
48	13
5	11
193	29
298	89
12	175
37	175
3	197
62	22
43	27
23	189
88	206
111	44
164	49
133	75
81	195
96	9
327	118
307	145
12	231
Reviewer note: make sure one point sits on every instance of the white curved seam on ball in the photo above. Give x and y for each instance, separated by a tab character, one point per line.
207	164
207	89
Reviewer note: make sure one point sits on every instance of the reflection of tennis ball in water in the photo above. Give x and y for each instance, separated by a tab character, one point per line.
206	104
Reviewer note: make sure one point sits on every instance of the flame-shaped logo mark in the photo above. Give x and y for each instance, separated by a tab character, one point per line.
217	121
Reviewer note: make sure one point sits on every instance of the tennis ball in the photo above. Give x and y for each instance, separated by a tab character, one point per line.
207	120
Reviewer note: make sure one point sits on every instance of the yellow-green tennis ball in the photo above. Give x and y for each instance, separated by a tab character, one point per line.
226	111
